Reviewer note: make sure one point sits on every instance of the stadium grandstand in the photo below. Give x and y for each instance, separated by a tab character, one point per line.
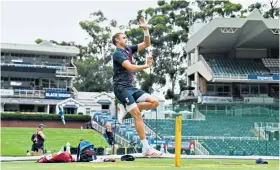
231	102
233	87
36	78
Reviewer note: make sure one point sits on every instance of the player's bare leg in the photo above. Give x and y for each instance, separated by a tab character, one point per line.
147	150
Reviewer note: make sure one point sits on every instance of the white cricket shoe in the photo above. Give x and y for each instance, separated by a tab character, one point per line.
151	152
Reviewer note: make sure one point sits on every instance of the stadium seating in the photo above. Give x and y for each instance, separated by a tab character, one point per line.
226	66
126	130
231	126
258	113
222	125
272	64
241	147
227	126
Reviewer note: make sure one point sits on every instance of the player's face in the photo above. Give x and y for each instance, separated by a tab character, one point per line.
122	40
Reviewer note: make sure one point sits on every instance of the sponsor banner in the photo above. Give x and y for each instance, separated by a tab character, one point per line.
263	77
159	141
184	145
51	94
215	99
7	92
257	100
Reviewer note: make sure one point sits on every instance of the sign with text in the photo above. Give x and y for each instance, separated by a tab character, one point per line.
52	94
216	99
185	145
263	77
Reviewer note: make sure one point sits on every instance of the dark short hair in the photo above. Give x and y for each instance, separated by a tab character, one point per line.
41	125
116	36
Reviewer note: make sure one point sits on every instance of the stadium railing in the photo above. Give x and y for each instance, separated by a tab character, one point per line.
246	100
58	67
68	71
199	115
29	93
212	137
118	139
60	70
267	126
147	128
130	121
74	89
200	148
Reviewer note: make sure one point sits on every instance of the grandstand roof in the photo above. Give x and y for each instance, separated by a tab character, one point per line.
44	47
225	34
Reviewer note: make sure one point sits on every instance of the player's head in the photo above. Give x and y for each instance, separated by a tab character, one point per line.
119	40
108	125
41	127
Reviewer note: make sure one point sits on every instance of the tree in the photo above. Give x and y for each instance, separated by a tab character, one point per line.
169	26
90	77
211	9
98	53
99	30
269	9
38	40
273	11
83	49
169	30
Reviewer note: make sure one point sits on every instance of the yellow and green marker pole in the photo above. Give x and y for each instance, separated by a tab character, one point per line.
178	134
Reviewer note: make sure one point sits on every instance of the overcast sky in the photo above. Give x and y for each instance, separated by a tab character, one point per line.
25	21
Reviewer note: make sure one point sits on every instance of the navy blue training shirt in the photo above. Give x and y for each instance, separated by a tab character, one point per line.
121	75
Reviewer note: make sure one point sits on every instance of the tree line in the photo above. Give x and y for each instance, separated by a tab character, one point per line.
169	25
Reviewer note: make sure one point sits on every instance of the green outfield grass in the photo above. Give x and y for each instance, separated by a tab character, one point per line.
16	141
147	164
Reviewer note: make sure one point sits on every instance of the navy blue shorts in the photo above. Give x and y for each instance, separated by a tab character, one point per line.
111	142
36	147
129	96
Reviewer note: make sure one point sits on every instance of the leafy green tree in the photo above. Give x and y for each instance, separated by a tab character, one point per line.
169	30
268	8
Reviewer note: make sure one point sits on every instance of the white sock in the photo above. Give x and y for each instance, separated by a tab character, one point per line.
145	143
